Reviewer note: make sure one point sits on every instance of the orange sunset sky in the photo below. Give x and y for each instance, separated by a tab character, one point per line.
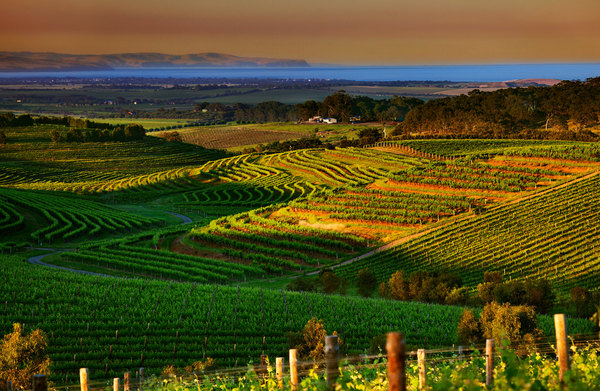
319	31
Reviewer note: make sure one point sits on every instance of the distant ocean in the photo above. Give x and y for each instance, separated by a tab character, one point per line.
498	72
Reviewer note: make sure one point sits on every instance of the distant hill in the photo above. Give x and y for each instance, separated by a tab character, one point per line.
35	61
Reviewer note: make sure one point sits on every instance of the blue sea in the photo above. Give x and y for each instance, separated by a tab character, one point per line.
486	73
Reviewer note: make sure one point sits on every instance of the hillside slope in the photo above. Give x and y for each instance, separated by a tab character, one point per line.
553	236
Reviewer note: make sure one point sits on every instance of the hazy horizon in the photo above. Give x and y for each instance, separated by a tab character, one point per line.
337	32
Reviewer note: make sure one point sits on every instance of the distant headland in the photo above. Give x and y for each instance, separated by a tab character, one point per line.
46	61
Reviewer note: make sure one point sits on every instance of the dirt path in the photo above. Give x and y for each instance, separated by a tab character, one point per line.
185	219
37	260
416	235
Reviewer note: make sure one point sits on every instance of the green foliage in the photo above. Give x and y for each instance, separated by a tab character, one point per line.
533	372
583	303
549	237
512	113
22	356
160	315
303	284
425	287
468	330
366	282
2	137
515	324
535	293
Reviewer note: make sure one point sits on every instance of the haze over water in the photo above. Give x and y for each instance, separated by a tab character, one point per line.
484	73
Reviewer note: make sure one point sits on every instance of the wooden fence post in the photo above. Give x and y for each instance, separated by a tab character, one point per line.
293	369
562	345
489	362
396	362
263	365
422	368
83	379
9	386
279	370
460	352
126	381
141	378
332	356
116	384
40	383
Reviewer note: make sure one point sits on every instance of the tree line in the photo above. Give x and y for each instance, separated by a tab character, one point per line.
72	129
564	111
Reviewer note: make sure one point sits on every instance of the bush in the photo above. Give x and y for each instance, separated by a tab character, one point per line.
172	136
468	329
310	341
366	282
331	282
303	284
398	288
535	293
515	324
22	356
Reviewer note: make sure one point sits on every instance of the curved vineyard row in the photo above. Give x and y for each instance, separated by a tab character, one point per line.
553	236
84	217
252	193
114	325
470	147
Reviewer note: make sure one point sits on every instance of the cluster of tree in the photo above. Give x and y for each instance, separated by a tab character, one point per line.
446	288
502	322
117	133
270	111
564	111
583	303
327	282
310	341
343	107
365	137
8	119
535	293
173	137
424	286
291	145
22	356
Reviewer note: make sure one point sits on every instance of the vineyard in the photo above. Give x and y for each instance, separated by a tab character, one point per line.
474	147
111	325
183	292
65	216
551	236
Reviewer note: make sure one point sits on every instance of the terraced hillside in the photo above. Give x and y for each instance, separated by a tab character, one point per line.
112	325
30	160
553	235
46	217
318	207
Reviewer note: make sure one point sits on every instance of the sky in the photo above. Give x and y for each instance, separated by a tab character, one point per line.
383	32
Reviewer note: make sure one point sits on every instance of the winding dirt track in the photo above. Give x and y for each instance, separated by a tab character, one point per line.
37	260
